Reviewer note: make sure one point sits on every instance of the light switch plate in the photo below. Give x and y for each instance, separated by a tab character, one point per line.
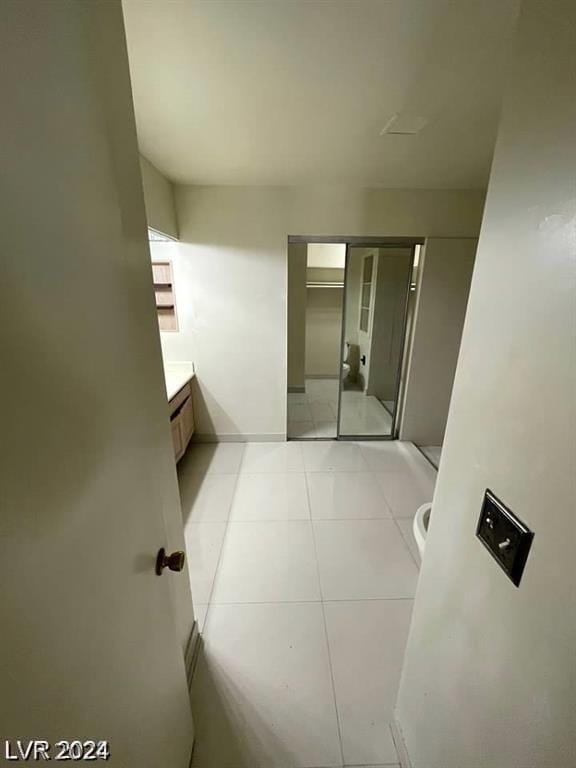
505	536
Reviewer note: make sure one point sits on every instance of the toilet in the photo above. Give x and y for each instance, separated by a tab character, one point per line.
420	526
349	360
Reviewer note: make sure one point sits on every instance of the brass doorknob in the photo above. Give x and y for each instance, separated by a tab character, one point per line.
174	562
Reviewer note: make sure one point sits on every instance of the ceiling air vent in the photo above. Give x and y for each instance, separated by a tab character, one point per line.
404	125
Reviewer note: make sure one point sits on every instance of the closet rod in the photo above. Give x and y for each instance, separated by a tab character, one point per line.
325	285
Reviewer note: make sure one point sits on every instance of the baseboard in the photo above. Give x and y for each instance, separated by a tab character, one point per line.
235	437
400	744
294	390
191	653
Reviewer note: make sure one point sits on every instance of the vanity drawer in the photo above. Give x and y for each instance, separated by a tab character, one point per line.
177	442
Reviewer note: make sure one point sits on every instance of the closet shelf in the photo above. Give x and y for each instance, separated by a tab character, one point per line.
325	284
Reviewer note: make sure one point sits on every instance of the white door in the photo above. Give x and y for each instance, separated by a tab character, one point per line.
89	647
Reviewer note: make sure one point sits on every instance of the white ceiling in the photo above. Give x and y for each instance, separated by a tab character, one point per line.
298	91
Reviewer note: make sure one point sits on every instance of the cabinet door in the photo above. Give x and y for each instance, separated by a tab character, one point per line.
177	437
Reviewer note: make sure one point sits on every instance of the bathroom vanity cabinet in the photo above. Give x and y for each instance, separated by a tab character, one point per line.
179	378
181	420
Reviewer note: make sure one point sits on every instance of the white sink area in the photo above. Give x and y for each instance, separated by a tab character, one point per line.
176	375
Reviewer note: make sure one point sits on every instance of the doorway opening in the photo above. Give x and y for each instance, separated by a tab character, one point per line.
348	314
316	292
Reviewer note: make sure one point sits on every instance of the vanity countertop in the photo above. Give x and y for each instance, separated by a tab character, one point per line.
176	376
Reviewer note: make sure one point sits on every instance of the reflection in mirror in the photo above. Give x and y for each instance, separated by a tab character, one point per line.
377	285
315	309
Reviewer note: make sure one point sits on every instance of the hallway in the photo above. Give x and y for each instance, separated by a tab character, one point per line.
303	573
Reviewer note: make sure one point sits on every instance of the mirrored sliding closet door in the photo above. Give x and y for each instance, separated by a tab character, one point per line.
375	308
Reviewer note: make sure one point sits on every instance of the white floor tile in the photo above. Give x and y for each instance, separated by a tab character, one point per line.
325	429
203	545
299	412
367	641
331	386
272	457
271	497
316	389
433	452
301	429
362	414
363	559
333	457
312	430
393	456
213	458
267	562
262	693
405	525
406	490
206	498
345	495
322	411
297	397
264	684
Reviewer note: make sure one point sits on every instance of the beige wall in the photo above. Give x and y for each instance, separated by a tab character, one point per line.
323	330
159	199
231	282
296	316
444	279
490	677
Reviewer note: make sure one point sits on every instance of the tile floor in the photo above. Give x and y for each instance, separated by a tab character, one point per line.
313	414
433	453
303	572
363	415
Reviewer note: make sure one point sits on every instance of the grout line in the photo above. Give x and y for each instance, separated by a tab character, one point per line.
338	719
428	458
372	765
397	517
217	569
325	600
412	555
404	542
301	520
